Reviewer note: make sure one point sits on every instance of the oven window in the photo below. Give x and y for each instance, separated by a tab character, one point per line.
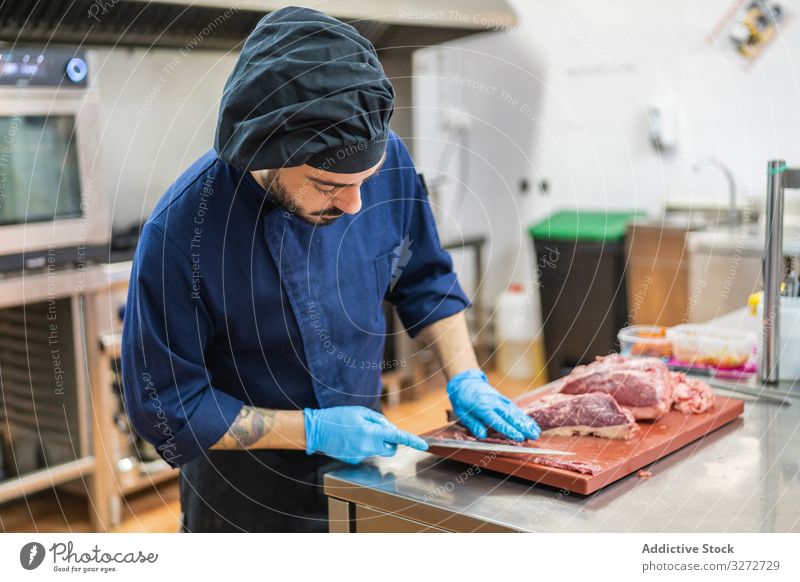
39	178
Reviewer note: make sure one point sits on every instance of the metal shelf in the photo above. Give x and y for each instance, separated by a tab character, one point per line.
36	481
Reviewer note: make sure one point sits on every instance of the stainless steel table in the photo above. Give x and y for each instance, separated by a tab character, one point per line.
743	477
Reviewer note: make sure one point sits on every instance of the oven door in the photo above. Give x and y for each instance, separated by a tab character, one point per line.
48	171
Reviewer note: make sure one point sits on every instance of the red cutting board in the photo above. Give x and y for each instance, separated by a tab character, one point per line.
617	458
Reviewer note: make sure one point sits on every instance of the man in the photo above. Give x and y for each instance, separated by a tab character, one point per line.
254	331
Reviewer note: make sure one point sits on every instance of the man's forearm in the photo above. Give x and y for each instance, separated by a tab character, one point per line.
263	428
449	340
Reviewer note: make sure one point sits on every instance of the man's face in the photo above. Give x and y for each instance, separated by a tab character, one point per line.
314	195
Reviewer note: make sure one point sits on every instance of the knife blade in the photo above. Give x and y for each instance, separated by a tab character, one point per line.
490	447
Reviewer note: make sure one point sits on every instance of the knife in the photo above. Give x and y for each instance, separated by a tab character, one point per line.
489	447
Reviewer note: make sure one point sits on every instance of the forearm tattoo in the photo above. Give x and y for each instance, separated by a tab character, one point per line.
250	426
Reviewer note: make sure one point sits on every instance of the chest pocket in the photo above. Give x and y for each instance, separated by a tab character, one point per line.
386	273
362	287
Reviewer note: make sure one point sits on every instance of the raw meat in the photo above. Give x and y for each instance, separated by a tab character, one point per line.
690	396
595	414
642	385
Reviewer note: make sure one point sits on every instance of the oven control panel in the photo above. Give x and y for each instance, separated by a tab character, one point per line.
43	67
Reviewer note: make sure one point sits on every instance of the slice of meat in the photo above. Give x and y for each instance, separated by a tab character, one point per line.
642	385
596	414
690	395
460	433
577	466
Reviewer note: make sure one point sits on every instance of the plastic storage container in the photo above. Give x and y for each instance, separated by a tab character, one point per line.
645	340
789	346
705	345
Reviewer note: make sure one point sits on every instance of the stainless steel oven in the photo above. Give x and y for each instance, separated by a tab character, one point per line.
52	206
53	227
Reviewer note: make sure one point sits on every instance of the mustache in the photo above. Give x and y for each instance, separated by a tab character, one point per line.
331	212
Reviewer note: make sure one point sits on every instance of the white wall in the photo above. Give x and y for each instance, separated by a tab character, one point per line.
607	61
491	87
583	74
158	114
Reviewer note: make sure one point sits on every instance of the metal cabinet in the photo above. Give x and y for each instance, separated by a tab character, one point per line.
60	341
47	414
369	520
357	508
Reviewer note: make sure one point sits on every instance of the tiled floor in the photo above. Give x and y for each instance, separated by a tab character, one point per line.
157	510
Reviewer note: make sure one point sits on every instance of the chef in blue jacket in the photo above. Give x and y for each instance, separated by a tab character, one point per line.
254	329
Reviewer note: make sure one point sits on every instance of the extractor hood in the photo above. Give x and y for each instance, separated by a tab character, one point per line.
224	24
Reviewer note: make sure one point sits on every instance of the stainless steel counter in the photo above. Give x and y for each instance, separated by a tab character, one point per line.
743	239
742	478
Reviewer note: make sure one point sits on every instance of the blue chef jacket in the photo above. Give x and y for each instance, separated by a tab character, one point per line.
235	301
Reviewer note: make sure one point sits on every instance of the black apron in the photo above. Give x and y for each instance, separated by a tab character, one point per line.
255	491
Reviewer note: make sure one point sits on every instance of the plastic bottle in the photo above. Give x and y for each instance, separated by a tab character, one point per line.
518	331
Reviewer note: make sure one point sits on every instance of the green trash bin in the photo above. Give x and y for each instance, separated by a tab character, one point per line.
580	269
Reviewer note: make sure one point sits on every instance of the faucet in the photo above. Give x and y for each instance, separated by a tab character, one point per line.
778	178
712	161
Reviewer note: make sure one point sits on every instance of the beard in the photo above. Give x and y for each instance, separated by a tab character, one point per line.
291	202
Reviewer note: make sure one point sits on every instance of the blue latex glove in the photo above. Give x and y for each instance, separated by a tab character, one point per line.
353	433
478	407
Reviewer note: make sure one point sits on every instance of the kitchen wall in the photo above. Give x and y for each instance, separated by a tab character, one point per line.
607	62
562	100
158	114
477	136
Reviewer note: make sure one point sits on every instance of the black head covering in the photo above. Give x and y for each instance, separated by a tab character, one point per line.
307	89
